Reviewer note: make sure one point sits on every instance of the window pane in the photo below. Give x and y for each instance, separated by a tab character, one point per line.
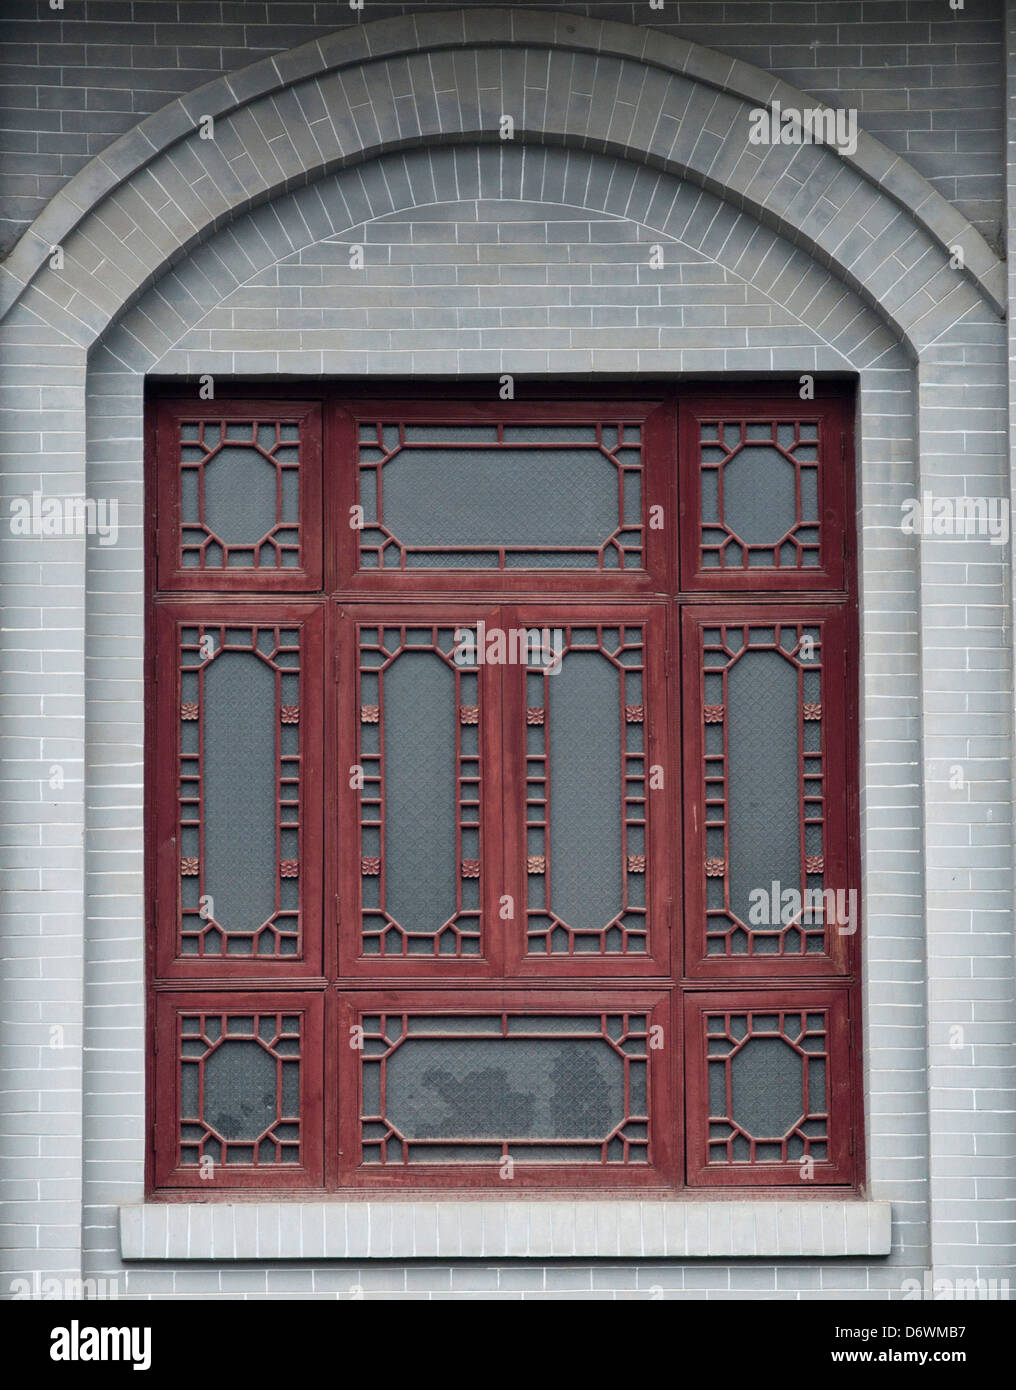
240	790
239	1088
764	777
239	494
586	792
420	805
764	786
536	496
760	493
768	1095
539	1089
584	738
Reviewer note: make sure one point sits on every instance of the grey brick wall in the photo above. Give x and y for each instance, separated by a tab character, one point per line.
528	259
926	79
504	281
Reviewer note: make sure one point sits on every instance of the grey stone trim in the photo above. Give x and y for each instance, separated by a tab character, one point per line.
238	303
504	1230
921	206
789	305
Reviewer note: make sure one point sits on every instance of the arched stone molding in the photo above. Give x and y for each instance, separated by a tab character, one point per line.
452	76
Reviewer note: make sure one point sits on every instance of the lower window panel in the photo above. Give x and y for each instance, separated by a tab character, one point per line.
238	1094
537	1084
309	1089
768	1091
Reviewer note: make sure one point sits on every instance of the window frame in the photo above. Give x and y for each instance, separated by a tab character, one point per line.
168	1177
171	573
167	622
663	917
832	412
839	674
337	598
843	1137
658	425
345	881
349	1171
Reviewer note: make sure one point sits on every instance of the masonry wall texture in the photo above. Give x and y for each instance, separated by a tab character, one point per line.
529	257
926	79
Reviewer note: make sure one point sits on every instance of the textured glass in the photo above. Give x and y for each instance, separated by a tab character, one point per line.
809	496
240	790
189	497
766	1079
473	1024
455	497
290	495
758	495
240	1090
240	495
420	793
246	478
290	1085
190	1085
444	434
515	559
710	495
505	1088
759	485
585	791
817	1085
764	797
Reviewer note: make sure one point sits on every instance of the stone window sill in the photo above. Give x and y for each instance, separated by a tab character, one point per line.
441	1230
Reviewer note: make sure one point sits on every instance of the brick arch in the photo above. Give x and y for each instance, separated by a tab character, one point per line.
806	315
601	86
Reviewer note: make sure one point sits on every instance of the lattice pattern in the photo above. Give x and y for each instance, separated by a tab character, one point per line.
239	1077
768	1078
464	488
760	494
202	930
479	1089
624	931
379	649
239	494
790	926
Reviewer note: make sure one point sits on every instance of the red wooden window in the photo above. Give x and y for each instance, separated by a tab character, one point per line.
239	495
237	737
586	830
238	1090
563	1087
418	721
763	493
768	1087
767	845
456	496
502	781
